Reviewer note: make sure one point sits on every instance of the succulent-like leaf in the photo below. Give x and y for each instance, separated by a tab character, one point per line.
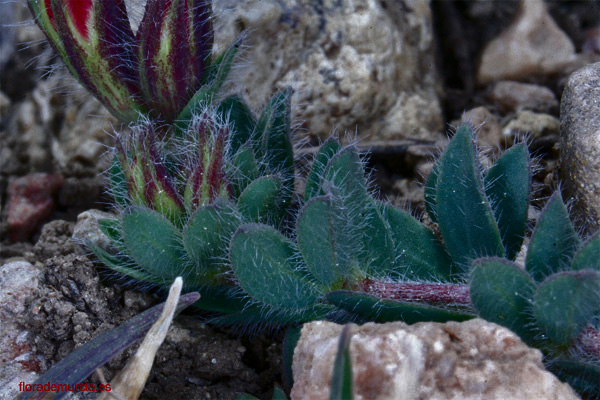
123	265
507	186
430	192
553	242
153	242
464	215
588	257
243	169
344	178
237	112
502	293
261	202
263	262
118	183
224	299
206	238
313	182
278	394
582	377
254	315
342	381
290	340
372	308
325	241
377	255
271	136
111	228
565	303
419	255
84	360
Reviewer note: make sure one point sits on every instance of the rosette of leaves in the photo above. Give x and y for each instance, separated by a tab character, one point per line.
181	196
370	261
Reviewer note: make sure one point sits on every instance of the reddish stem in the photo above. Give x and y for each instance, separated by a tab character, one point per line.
588	342
432	293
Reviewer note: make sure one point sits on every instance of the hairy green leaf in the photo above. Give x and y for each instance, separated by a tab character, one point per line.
502	293
419	255
261	202
507	186
342	381
553	242
372	308
325	242
565	303
430	192
263	262
206	239
237	112
313	182
464	215
153	242
588	257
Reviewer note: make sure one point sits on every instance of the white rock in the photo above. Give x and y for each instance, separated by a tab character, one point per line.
467	361
532	45
87	230
353	64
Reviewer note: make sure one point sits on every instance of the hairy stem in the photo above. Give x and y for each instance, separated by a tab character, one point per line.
432	293
588	343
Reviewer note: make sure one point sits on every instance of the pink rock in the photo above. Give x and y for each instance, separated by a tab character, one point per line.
30	201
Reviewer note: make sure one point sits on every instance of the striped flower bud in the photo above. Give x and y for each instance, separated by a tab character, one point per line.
148	181
207	180
175	41
154	71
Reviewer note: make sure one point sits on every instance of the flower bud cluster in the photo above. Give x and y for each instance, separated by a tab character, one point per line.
175	178
154	71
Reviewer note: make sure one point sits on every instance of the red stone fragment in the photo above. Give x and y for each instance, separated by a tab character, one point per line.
30	202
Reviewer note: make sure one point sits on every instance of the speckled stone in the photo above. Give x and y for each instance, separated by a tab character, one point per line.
19	281
467	361
358	66
580	144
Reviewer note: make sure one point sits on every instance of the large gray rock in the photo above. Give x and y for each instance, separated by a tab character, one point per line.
470	360
532	45
359	64
580	143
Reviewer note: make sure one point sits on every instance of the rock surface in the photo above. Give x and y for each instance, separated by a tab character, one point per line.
354	65
580	143
31	200
532	124
516	96
467	361
87	229
532	45
489	130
